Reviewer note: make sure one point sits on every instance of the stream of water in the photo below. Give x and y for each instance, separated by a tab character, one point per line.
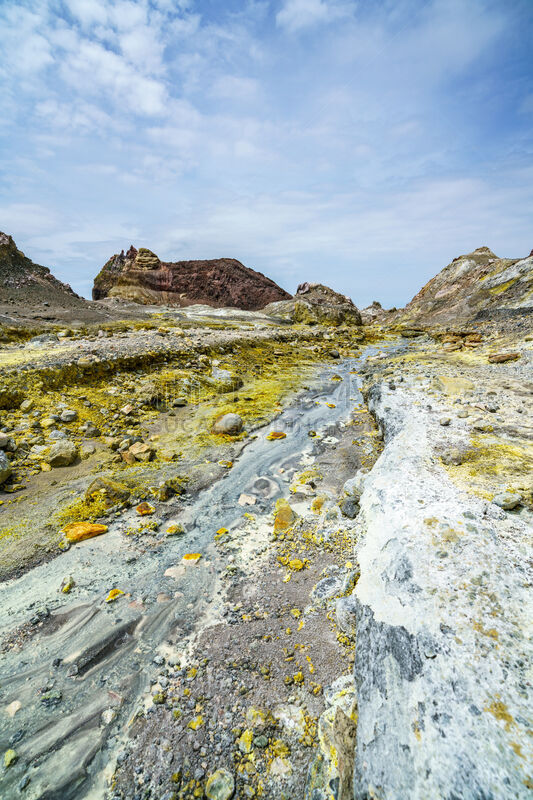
68	692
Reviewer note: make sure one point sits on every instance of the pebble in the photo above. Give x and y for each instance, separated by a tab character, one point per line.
220	785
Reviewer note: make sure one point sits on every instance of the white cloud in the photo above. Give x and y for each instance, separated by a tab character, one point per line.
93	68
232	87
88	12
295	15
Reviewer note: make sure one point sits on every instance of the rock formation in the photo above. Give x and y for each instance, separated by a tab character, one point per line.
479	282
141	277
376	313
24	283
315	303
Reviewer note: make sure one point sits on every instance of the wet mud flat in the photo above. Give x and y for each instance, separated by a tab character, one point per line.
92	675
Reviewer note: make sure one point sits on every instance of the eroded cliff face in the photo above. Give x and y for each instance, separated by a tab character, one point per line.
24	282
475	283
140	276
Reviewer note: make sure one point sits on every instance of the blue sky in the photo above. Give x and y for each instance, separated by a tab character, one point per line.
363	144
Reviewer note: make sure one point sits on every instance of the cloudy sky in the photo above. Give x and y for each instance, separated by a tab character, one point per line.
360	143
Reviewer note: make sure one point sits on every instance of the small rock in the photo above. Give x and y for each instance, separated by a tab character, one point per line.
507	500
78	531
10	757
500	358
5	467
51	699
445	421
229	424
62	454
247	500
345	611
112	491
220	785
284	517
334	354
142	451
67	584
69	415
349	507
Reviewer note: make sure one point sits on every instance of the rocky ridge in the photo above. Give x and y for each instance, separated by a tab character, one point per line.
22	281
472	284
141	277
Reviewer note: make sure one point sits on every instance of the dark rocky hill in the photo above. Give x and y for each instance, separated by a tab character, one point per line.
140	276
22	282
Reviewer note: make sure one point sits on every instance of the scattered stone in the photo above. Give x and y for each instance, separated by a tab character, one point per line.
10	757
228	424
69	415
51	699
284	516
191	558
79	531
445	421
62	454
142	451
507	500
175	529
247	500
67	584
349	507
346	614
26	406
5	468
274	435
13	707
500	358
220	785
112	492
145	509
113	595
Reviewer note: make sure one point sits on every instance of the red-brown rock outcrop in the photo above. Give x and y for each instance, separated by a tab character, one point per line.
140	276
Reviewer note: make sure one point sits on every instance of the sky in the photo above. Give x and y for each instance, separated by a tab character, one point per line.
358	143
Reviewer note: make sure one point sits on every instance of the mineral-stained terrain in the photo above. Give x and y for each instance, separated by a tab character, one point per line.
141	277
475	284
269	554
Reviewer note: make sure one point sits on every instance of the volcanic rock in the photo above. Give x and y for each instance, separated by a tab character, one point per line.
141	277
477	284
314	304
23	282
5	467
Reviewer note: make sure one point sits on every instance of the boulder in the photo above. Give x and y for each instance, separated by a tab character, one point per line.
62	454
5	468
229	424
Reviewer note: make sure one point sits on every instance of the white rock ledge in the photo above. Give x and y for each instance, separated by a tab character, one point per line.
442	607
